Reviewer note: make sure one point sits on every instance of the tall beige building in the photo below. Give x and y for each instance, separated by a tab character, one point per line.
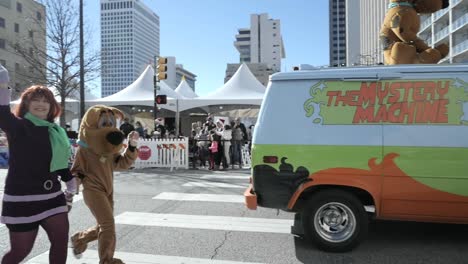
372	14
22	21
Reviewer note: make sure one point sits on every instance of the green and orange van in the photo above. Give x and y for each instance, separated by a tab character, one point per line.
340	146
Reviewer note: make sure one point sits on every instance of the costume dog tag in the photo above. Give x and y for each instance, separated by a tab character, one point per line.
103	159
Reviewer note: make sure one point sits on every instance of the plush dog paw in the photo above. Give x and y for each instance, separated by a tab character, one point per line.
78	247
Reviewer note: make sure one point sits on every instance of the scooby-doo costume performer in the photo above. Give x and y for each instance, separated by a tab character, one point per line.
99	154
399	33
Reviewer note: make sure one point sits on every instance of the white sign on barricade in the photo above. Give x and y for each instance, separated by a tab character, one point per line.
246	159
163	153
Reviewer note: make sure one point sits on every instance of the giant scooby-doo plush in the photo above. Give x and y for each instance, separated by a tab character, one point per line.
399	33
98	155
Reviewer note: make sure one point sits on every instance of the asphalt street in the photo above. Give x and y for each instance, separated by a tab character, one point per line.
198	216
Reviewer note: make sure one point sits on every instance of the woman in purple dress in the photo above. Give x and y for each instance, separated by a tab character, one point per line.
39	152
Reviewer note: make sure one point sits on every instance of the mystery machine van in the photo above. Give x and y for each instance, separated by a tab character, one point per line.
340	146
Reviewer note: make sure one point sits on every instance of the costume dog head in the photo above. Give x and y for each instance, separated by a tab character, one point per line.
99	132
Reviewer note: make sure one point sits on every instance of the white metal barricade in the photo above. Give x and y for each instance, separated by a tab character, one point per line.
163	153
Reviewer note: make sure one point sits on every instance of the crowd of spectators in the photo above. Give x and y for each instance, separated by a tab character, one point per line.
218	145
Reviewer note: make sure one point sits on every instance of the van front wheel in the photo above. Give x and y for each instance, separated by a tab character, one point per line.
335	220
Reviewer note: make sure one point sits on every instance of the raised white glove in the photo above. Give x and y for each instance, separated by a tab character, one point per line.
133	138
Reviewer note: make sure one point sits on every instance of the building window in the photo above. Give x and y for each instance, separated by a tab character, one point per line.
2	22
19	7
31	69
17	67
31	52
31	34
38	15
16	27
3	62
2	43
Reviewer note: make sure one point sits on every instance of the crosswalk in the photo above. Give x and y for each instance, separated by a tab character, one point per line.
206	185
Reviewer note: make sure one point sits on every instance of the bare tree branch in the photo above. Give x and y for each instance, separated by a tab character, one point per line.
59	65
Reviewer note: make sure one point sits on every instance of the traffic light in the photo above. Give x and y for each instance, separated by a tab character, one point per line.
162	68
161	99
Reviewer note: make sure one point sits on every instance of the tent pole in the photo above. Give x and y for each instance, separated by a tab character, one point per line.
177	118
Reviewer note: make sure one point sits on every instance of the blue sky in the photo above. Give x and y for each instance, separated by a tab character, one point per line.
200	34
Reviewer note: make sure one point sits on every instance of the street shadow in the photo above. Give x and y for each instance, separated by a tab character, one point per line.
397	242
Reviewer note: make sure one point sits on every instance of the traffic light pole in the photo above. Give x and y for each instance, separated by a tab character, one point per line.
160	73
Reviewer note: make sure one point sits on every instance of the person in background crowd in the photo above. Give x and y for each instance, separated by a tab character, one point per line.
238	134
251	132
203	139
213	149
227	137
193	148
242	127
33	194
70	133
160	129
139	128
210	124
126	127
225	140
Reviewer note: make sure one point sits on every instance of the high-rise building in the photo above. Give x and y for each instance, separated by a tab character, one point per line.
449	26
337	23
261	44
129	41
22	22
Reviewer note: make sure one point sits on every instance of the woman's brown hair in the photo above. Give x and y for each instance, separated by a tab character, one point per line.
38	91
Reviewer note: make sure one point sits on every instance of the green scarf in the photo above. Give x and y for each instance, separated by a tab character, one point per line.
60	144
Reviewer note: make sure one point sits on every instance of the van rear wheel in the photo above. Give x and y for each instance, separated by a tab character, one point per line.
335	220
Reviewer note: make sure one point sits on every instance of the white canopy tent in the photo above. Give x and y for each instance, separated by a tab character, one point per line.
185	90
242	89
141	93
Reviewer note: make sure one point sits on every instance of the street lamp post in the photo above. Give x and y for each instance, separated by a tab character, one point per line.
82	85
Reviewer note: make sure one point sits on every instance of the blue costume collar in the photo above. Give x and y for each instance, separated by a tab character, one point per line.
82	143
392	5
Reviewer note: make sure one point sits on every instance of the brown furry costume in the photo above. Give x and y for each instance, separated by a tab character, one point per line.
96	159
399	33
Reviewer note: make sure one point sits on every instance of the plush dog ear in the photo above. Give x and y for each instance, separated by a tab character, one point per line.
118	114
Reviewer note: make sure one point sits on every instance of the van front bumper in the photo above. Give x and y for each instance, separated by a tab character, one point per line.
250	198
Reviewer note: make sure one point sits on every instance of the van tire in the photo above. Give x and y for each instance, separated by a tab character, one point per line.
335	220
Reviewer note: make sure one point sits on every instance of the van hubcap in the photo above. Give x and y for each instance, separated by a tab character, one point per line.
335	222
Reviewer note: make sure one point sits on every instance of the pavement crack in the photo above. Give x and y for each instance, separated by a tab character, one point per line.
226	234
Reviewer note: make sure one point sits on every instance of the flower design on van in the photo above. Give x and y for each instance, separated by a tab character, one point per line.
318	98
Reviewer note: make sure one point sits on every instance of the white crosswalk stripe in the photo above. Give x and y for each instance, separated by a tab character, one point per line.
206	222
223	198
227	177
214	185
91	256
